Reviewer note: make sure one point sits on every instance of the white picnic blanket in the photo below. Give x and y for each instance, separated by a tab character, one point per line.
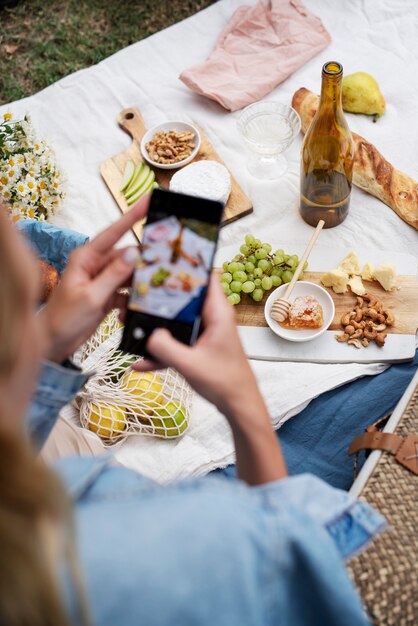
77	115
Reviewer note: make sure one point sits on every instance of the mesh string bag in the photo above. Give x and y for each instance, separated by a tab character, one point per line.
118	402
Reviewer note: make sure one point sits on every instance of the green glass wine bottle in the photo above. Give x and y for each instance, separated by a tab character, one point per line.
327	156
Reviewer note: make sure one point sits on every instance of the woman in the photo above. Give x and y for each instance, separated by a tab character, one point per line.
265	550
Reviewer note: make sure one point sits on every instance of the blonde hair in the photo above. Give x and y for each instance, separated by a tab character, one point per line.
32	500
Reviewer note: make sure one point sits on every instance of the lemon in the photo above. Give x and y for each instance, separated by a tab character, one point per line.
171	420
107	420
144	386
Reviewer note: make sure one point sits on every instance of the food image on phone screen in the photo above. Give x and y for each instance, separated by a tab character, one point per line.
172	275
171	278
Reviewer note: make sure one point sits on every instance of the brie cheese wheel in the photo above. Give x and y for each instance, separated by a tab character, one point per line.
206	179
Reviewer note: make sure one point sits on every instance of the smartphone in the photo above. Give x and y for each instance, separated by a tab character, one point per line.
172	275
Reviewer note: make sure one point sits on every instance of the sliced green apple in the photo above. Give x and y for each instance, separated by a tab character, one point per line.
137	173
147	185
140	180
127	175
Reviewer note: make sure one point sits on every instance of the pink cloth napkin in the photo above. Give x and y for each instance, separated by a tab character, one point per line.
260	47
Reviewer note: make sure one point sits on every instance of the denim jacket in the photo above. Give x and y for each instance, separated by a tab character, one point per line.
206	552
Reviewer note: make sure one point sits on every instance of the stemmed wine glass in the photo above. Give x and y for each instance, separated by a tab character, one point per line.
268	129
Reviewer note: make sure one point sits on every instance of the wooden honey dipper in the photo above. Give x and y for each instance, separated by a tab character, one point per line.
280	307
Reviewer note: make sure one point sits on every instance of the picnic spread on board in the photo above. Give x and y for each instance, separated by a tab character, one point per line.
244	148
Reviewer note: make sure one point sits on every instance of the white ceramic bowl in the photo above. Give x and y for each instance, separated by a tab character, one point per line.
165	127
302	288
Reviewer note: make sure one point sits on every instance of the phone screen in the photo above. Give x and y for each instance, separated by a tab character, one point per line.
172	275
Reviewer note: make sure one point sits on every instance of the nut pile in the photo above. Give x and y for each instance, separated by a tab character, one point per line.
171	146
367	322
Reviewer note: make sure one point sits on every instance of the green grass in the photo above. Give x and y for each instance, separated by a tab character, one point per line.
44	40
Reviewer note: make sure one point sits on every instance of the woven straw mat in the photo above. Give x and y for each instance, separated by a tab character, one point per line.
386	573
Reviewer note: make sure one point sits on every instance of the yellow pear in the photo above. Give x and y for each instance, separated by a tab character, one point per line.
107	420
361	94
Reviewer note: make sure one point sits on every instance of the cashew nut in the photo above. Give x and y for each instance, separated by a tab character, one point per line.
370	333
346	318
374	303
390	318
366	322
380	339
372	313
354	342
342	337
370	298
359	314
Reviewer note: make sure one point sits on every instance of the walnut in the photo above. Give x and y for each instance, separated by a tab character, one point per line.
171	146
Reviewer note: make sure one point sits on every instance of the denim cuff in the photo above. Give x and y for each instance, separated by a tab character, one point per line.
353	530
57	385
350	523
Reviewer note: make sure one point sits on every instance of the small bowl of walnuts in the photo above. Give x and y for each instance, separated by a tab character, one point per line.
170	145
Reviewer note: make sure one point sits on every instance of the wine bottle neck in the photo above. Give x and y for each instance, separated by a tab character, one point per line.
332	75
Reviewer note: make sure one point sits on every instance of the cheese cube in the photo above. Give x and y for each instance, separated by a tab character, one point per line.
350	264
385	274
367	272
337	279
357	286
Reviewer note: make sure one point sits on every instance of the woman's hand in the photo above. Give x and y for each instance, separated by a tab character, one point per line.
216	365
217	368
89	288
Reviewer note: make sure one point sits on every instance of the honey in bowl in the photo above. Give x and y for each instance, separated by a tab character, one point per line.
305	312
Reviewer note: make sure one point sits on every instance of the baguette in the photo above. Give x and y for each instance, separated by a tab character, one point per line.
49	279
371	171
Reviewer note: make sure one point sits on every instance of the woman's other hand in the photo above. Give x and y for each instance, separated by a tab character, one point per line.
217	368
89	288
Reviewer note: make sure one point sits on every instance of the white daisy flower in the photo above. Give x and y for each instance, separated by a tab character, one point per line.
38	148
12	173
30	181
22	189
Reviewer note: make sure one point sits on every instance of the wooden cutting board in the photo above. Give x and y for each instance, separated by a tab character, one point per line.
260	342
403	303
130	120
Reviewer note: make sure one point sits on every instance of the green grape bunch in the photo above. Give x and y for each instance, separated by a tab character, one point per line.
256	270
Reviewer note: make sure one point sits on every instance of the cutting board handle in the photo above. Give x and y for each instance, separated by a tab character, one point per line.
132	123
